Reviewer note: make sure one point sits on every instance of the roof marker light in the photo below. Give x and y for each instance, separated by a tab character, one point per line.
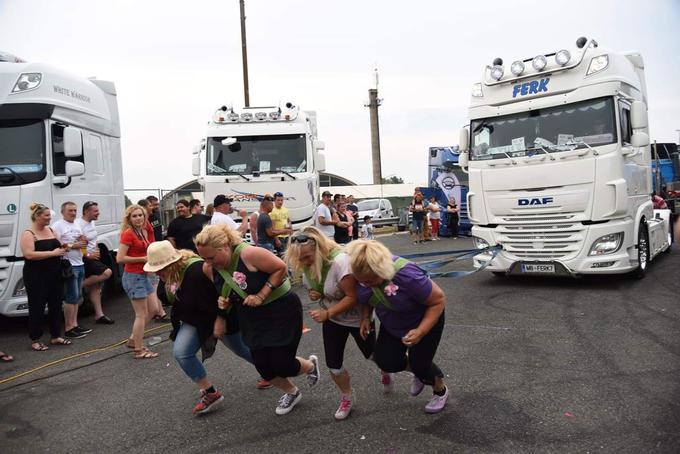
539	62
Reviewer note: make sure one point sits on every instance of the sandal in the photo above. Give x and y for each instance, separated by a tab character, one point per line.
39	346
161	318
130	343
5	358
144	353
60	341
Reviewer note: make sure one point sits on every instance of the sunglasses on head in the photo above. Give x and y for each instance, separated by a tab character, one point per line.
301	238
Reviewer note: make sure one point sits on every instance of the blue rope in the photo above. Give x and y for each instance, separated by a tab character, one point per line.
462	253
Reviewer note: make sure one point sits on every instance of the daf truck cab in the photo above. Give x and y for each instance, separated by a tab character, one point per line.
262	150
59	141
559	165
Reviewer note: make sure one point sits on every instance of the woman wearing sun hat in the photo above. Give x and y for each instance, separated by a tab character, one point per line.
194	306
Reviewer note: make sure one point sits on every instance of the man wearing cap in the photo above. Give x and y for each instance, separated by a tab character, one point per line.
222	206
281	221
323	219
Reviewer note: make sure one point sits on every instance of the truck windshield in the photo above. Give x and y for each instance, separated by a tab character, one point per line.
553	129
365	205
22	152
257	154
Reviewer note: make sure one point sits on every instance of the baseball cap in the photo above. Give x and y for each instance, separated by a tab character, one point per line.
326	193
221	199
278	194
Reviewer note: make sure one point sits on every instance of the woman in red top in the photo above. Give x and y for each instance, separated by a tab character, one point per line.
134	240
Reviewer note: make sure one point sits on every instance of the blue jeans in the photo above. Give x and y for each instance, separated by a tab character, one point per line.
187	345
267	246
74	286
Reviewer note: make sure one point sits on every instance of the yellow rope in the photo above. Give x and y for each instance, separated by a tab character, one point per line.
77	355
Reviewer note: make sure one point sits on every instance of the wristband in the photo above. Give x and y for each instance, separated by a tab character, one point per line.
270	285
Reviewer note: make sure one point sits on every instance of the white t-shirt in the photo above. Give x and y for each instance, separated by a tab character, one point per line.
435	214
333	293
90	232
323	210
367	231
221	218
69	232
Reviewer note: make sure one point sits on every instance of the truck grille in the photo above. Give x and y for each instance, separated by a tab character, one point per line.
541	241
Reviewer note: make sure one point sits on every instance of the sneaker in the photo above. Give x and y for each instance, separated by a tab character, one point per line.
416	387
82	330
313	376
387	381
344	408
437	403
73	334
263	384
208	402
104	320
287	402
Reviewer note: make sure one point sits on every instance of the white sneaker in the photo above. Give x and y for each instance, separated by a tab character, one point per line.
313	375
287	402
345	407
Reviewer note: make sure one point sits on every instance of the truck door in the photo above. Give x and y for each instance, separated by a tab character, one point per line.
65	188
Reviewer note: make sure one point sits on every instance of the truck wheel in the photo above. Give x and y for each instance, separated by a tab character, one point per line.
643	251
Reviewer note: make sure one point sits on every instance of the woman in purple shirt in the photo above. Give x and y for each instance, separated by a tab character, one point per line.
411	311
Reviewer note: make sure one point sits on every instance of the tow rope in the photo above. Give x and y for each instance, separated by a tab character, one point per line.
459	254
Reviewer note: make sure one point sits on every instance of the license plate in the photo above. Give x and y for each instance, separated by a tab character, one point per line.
538	268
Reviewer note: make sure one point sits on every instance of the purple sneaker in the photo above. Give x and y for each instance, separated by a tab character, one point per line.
416	387
437	403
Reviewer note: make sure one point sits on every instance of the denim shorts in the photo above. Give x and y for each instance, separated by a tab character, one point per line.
417	225
136	286
74	286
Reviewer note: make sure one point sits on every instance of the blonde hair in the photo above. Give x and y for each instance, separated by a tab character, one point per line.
37	209
323	246
126	224
370	257
218	236
175	269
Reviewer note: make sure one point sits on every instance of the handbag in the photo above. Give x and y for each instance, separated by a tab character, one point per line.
66	269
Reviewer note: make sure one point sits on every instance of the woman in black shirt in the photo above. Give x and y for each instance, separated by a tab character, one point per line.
196	318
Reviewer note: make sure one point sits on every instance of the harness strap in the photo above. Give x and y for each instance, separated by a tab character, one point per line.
313	283
190	261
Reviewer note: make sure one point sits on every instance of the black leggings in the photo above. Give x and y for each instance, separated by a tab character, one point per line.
452	224
41	290
273	362
390	354
335	339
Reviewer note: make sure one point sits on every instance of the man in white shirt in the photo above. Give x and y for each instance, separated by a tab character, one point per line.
95	271
69	233
323	219
223	207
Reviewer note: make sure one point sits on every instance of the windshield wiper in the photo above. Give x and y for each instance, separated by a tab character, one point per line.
538	147
581	142
13	172
240	175
280	171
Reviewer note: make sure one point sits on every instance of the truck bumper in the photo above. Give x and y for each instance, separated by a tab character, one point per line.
577	262
13	306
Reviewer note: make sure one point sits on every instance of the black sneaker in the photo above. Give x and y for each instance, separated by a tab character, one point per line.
287	402
73	334
82	329
313	375
104	320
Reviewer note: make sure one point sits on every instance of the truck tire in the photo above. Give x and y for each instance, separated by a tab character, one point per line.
642	251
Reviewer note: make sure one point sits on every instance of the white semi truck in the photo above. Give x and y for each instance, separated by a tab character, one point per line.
59	141
262	150
559	165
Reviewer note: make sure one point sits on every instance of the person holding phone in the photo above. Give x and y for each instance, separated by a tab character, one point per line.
411	311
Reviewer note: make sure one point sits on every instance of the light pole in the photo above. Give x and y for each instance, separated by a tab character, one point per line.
244	54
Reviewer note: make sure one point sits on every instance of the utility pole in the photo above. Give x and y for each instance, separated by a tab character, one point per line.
373	103
244	53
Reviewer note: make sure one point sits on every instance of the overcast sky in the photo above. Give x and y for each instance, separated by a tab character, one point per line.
175	62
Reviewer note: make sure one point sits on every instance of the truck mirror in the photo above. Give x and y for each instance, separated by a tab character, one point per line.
638	115
196	166
74	168
319	145
464	140
639	139
73	143
320	161
197	149
463	159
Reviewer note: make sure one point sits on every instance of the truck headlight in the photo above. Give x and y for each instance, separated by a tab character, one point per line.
496	72
517	67
562	57
19	289
27	81
606	244
539	62
480	243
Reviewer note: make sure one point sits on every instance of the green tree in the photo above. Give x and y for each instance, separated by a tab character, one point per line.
393	180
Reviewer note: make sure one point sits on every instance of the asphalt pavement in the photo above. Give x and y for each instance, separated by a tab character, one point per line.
534	365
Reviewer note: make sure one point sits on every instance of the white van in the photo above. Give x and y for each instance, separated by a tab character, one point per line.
375	208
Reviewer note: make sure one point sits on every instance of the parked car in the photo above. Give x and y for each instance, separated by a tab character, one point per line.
375	208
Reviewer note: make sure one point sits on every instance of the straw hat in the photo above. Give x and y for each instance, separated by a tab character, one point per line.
159	255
